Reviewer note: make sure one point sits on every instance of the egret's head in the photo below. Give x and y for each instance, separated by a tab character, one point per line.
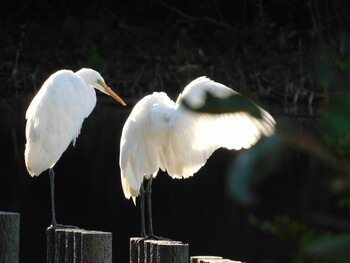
95	80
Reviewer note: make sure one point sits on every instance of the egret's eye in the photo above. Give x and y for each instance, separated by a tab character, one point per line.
100	82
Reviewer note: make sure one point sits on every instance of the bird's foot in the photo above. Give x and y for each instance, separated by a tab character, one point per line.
59	226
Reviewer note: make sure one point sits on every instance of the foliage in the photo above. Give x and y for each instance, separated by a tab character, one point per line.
255	164
156	45
289	52
336	126
249	163
291	232
311	246
335	247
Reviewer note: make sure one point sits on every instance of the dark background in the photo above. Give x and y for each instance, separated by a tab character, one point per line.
290	57
253	46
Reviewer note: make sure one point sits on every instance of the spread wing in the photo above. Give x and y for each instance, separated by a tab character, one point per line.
161	134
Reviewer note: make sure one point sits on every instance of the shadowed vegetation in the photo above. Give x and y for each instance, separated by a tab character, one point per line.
278	53
295	52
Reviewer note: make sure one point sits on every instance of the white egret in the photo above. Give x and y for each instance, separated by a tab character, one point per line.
163	134
55	117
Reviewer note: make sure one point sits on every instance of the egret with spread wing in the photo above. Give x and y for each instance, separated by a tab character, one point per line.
55	117
163	134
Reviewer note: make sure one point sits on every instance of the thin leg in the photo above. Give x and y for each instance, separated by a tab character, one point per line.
53	210
52	191
149	204
142	205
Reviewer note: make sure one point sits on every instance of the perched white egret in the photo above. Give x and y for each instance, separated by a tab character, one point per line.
163	134
55	116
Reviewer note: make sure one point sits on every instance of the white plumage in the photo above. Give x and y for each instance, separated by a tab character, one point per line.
162	134
55	117
56	114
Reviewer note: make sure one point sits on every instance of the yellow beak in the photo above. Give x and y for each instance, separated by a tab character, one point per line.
111	93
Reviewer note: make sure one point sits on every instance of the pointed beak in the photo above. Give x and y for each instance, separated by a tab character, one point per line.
111	93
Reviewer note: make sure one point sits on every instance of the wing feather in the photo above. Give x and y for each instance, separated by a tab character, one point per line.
161	134
143	141
54	119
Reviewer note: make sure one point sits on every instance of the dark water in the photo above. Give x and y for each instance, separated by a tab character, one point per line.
197	210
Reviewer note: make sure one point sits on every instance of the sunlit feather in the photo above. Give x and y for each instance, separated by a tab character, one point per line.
162	134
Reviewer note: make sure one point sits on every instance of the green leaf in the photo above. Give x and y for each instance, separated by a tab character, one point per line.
338	114
243	172
336	125
344	202
234	103
336	246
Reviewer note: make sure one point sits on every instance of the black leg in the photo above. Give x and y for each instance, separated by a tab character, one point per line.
142	205
149	204
52	191
53	210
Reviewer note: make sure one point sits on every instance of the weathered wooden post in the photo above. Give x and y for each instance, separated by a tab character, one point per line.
9	237
96	247
158	251
78	246
170	251
50	245
60	245
136	250
69	246
211	259
202	259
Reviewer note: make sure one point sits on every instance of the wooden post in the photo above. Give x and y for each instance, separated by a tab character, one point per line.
149	251
211	259
136	250
60	245
78	246
170	251
202	259
96	247
158	251
69	246
9	237
50	245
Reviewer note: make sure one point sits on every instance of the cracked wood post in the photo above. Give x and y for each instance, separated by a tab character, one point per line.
9	237
136	250
78	246
158	251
